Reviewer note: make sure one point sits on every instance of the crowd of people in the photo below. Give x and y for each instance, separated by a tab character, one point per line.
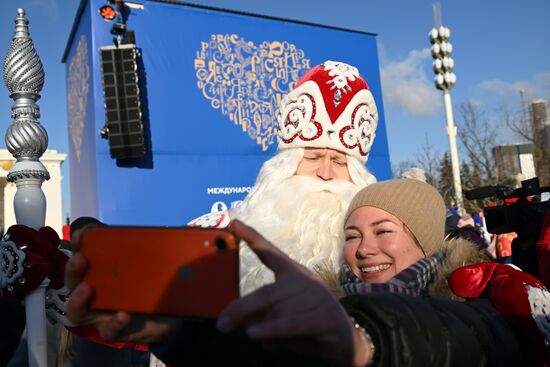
336	268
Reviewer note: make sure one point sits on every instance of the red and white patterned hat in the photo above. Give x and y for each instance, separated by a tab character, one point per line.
331	107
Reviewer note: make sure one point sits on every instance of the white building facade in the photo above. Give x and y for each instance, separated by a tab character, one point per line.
52	160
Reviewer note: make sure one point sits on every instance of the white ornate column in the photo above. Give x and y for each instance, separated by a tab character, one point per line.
27	140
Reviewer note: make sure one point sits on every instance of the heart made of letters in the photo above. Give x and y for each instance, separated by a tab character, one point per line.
246	82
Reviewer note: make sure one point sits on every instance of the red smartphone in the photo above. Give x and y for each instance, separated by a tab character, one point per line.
173	271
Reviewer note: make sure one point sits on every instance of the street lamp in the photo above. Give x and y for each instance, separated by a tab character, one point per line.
444	80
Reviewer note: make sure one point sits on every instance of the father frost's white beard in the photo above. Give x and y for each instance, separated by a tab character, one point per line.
302	216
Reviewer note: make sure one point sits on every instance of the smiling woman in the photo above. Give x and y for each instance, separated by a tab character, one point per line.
379	245
390	226
394	234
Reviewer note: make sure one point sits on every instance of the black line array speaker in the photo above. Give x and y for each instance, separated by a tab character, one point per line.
123	126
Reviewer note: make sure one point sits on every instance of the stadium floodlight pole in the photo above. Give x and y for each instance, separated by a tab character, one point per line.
444	80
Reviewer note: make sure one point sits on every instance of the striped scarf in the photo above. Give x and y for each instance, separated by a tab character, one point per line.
412	281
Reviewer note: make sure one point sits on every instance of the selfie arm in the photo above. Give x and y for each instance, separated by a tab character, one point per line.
419	331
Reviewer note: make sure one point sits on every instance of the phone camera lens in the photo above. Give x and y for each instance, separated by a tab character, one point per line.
221	244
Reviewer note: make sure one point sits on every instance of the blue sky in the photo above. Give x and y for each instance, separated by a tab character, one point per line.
499	47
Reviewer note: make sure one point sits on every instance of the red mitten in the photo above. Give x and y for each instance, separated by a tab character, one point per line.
521	298
56	258
24	261
27	257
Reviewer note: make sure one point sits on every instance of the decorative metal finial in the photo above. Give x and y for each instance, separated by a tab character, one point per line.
26	139
23	70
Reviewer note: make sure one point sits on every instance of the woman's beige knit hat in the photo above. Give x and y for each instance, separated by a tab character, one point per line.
413	202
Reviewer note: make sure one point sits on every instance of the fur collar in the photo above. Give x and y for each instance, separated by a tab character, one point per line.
458	252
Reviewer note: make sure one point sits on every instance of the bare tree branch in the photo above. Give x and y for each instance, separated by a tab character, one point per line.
478	136
429	159
518	123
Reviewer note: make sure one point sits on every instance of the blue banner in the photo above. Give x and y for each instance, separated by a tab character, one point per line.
210	85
